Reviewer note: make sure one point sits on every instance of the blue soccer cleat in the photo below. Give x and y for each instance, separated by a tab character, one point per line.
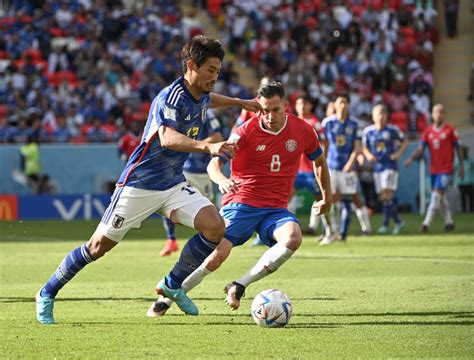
44	309
179	297
398	228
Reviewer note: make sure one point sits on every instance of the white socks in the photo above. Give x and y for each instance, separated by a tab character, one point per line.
363	217
435	204
270	261
195	278
313	218
448	218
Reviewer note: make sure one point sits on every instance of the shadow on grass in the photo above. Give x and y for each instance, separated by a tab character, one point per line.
140	299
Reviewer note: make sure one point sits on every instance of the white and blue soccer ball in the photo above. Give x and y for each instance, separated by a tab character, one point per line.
271	308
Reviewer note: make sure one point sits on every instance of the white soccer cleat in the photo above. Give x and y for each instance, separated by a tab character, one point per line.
328	240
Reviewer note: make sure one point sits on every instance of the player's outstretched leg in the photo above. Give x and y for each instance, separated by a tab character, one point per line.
76	260
346	216
171	244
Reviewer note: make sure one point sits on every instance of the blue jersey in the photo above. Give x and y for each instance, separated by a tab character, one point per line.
197	162
383	143
152	166
341	138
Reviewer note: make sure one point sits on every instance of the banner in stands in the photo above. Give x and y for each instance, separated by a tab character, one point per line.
65	207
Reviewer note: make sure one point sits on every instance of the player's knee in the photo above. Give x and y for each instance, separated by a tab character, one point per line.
99	245
214	229
293	241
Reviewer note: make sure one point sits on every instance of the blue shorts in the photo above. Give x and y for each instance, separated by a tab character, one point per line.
306	180
242	220
441	181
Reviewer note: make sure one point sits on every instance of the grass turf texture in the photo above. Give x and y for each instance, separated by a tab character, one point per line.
373	297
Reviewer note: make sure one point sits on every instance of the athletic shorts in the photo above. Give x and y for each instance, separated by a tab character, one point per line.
129	206
307	180
242	220
202	182
386	180
346	183
441	181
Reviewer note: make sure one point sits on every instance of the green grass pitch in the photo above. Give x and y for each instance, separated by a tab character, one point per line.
372	297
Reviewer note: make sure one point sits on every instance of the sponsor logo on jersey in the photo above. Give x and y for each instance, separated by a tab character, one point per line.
291	145
443	136
261	147
117	221
386	135
188	118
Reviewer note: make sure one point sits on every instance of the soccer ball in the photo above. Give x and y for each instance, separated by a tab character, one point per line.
271	308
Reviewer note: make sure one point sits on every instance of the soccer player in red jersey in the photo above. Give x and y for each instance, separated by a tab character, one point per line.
130	140
256	196
441	139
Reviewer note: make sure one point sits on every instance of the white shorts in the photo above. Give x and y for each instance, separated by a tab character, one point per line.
129	206
202	182
386	180
343	182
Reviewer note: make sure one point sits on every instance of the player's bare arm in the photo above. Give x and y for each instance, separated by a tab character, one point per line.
414	156
173	140
398	154
226	185
219	101
321	172
368	155
353	157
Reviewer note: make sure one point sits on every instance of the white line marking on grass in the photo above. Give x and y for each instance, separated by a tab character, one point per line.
378	257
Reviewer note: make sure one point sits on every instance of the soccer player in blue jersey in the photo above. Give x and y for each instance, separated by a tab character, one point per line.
384	144
153	178
343	146
196	175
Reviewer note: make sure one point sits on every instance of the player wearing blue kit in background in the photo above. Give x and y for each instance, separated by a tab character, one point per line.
196	175
384	144
153	179
344	144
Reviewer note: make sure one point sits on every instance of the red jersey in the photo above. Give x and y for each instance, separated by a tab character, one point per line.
266	163
306	165
128	142
441	143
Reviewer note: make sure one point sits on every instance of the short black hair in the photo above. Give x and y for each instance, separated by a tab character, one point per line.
199	49
271	89
344	96
304	97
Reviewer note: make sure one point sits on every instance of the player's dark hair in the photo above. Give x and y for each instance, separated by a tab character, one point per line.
271	89
304	97
199	49
344	96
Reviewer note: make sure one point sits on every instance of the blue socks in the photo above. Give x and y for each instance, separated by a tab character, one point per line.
196	250
169	228
70	266
387	212
394	211
346	216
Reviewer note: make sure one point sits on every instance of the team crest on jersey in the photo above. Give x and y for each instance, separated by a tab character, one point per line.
117	221
443	136
386	135
349	131
291	145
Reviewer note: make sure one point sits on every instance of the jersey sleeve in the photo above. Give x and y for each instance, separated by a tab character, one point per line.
313	148
166	114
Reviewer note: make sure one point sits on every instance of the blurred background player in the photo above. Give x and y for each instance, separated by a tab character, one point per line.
344	145
305	178
466	185
256	196
384	144
441	139
153	178
195	171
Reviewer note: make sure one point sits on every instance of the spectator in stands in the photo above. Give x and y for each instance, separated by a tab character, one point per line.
96	133
61	134
57	60
6	131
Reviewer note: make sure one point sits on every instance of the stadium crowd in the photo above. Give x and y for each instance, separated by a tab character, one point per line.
83	71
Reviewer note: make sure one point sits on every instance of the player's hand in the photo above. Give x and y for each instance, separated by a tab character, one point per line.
222	149
228	186
395	156
251	105
408	162
370	157
322	207
347	168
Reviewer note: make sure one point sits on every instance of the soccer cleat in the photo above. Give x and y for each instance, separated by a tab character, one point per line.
424	229
157	309
44	309
382	230
170	247
397	229
328	240
365	233
179	296
234	292
256	242
448	227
